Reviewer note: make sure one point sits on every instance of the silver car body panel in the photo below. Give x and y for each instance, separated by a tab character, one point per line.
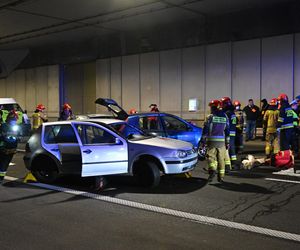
118	158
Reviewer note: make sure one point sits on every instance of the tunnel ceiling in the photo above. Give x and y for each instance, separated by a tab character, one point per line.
69	30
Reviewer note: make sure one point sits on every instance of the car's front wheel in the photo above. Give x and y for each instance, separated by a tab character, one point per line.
147	174
45	170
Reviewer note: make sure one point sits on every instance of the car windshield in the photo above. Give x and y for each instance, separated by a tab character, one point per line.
12	106
128	131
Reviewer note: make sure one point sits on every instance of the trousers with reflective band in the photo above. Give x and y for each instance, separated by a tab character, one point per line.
216	160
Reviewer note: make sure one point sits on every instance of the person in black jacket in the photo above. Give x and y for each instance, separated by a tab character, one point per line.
264	108
252	114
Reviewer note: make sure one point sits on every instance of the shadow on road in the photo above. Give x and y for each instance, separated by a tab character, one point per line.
243	187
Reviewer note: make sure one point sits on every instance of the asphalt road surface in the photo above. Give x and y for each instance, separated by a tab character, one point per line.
253	209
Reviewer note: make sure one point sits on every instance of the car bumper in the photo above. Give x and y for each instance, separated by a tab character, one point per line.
180	166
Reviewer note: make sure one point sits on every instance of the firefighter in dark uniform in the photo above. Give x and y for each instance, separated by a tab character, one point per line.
285	124
216	138
8	146
240	126
228	108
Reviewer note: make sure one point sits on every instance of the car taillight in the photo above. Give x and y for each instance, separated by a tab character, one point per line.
27	148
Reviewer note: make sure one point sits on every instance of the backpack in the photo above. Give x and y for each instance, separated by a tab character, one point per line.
283	159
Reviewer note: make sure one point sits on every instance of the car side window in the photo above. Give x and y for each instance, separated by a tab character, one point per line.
94	135
173	124
59	134
149	123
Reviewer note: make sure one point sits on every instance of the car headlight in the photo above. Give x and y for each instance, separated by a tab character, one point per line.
15	128
181	154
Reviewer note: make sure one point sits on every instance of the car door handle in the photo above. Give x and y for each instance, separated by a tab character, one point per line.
54	149
87	151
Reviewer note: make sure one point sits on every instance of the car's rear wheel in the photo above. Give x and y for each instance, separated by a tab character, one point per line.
45	170
147	174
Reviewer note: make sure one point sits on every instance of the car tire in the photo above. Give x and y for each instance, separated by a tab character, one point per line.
147	174
46	174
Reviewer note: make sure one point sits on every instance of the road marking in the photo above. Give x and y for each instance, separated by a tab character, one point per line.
194	217
289	181
288	172
21	150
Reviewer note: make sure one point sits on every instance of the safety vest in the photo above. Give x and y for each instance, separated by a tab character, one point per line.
6	112
216	130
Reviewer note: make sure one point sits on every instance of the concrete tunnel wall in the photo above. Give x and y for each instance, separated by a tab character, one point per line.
258	68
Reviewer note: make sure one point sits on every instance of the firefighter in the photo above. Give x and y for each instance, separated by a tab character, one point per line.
215	138
12	117
285	125
38	117
270	122
240	126
66	113
132	111
228	108
8	146
295	105
153	108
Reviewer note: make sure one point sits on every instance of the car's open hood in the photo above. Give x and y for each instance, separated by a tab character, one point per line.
113	107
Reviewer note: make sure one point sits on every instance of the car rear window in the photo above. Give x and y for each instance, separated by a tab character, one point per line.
59	134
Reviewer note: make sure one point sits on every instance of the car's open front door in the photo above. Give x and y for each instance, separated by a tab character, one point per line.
113	107
102	152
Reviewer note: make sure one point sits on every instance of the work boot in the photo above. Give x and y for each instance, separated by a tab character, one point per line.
220	179
100	183
211	176
227	169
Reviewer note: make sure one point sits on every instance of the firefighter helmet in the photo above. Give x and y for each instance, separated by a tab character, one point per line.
225	102
282	97
236	103
214	103
40	107
273	101
66	106
132	111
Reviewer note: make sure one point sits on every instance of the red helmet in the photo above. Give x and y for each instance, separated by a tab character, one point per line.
214	103
273	101
225	101
236	103
40	107
132	111
282	97
67	106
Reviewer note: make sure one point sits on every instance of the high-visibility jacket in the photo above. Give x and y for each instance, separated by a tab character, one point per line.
216	130
271	118
286	117
232	122
36	120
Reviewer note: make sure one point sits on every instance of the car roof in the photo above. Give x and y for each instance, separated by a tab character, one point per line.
105	120
7	100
